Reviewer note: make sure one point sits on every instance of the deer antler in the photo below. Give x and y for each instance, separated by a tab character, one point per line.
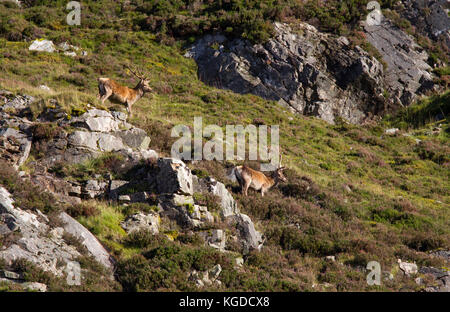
136	72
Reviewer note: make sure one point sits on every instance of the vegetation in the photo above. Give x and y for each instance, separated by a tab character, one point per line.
352	191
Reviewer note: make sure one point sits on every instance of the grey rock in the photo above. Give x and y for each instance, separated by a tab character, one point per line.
96	141
212	186
10	275
139	197
250	238
124	198
174	177
16	145
441	278
97	120
35	245
114	188
391	131
216	239
141	221
94	188
309	72
110	143
182	209
238	262
34	286
42	46
444	254
407	72
88	240
435	24
18	103
407	267
135	138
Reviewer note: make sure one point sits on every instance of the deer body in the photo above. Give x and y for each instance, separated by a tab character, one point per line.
115	92
248	177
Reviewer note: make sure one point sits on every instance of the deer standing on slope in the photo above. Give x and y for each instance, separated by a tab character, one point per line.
115	92
248	177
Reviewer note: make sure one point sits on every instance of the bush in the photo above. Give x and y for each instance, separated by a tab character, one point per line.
25	194
85	209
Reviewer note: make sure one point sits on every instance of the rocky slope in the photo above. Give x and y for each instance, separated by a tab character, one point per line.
41	241
81	182
319	74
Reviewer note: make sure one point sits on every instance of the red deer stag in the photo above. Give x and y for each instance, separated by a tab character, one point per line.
116	93
257	180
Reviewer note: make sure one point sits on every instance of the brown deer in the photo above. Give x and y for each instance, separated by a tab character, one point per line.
248	177
116	93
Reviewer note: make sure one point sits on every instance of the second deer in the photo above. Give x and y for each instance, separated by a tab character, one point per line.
248	177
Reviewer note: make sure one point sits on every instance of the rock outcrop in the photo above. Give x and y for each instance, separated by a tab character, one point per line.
407	73
87	239
430	17
39	243
310	72
319	74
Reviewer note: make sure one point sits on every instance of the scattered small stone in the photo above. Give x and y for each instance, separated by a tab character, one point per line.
391	131
42	46
407	267
34	286
124	198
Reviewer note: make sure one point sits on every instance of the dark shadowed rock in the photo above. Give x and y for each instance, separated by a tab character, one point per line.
407	72
307	71
174	177
429	17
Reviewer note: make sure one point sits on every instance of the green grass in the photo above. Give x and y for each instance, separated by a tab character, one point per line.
397	206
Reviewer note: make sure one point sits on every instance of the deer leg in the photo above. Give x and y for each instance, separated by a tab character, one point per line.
129	108
105	96
246	186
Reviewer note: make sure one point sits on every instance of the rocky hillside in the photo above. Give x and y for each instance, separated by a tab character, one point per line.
86	184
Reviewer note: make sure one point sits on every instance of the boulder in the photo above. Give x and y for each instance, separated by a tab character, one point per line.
441	279
34	286
42	46
407	72
88	240
249	237
407	267
212	186
97	120
309	72
135	138
174	177
102	142
182	209
114	188
215	238
17	103
435	24
35	245
142	221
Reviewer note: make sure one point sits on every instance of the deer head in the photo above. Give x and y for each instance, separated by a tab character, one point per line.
278	175
144	82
